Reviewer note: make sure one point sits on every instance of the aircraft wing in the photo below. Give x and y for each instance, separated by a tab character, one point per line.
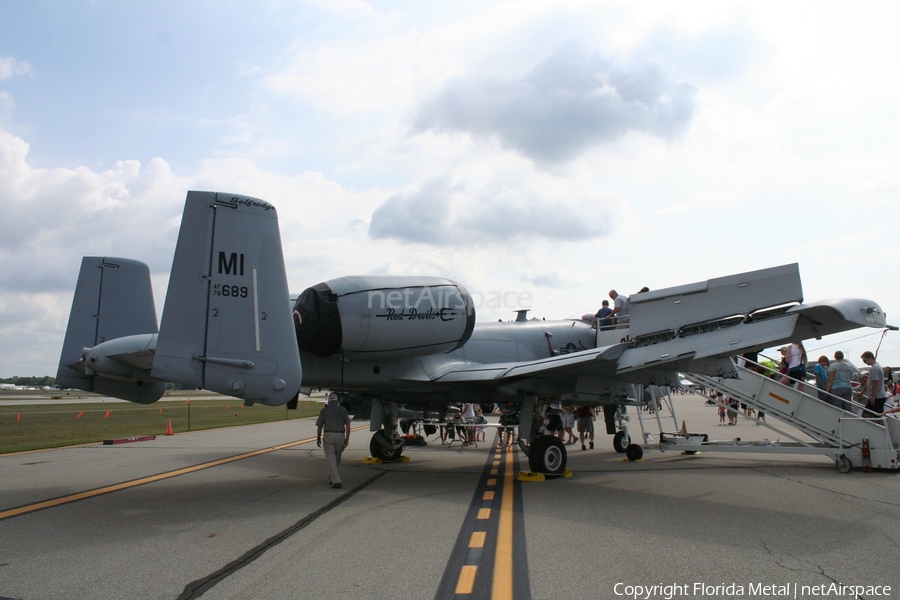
705	337
596	360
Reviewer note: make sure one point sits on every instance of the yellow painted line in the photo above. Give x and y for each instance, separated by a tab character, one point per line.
477	539
491	482
13	512
484	513
488	496
503	559
494	471
466	580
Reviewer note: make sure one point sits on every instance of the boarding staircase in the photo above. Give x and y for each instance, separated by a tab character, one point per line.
849	438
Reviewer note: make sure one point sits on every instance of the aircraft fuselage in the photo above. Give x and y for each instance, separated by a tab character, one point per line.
491	344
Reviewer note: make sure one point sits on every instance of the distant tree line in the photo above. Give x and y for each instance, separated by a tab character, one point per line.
46	380
30	381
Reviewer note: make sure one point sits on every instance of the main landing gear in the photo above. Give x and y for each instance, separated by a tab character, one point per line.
386	444
546	453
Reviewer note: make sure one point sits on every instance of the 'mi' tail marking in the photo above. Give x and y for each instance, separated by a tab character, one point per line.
227	324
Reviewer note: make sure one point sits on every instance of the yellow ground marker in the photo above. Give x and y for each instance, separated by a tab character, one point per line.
466	579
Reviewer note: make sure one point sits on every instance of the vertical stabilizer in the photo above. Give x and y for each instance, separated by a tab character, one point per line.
113	300
227	324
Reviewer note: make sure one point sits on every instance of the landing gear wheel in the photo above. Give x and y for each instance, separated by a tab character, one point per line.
843	464
621	441
634	452
377	449
547	455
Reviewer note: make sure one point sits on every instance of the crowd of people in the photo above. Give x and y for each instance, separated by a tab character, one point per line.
835	381
563	420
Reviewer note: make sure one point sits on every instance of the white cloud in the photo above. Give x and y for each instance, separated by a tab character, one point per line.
10	67
570	101
457	212
552	150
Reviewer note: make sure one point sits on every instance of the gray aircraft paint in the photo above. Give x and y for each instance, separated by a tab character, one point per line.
412	340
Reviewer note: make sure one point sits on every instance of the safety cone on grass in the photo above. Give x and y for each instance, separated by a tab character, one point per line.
169	427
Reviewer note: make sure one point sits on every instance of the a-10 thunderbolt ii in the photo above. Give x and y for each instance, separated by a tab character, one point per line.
390	341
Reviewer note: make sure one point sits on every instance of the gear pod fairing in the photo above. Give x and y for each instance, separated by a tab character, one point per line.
384	317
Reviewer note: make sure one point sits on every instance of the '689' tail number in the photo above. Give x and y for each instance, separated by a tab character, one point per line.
230	291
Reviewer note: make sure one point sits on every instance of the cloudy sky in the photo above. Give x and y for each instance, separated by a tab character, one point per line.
540	153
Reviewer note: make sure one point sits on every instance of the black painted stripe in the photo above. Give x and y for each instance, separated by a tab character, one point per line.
496	569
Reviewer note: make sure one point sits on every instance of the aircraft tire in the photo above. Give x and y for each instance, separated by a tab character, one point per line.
547	455
634	452
377	450
621	441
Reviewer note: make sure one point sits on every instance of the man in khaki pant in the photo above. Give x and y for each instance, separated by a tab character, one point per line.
335	421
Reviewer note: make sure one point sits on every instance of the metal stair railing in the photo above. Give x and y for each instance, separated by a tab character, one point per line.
829	424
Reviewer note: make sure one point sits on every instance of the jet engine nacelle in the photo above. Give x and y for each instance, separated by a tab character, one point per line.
384	316
114	369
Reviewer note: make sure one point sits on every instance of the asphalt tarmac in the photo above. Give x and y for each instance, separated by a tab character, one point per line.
246	513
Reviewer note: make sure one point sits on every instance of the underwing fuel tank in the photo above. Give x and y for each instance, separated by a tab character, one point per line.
384	317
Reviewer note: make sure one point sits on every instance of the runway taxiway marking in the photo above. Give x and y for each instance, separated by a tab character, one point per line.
116	487
488	560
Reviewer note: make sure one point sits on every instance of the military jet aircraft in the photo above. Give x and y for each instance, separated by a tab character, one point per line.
389	341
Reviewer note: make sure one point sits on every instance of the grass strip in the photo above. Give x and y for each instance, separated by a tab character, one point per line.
35	426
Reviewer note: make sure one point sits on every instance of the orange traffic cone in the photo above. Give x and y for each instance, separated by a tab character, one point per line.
169	427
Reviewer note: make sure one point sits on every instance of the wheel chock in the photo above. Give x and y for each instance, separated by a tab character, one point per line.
371	460
565	473
531	476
